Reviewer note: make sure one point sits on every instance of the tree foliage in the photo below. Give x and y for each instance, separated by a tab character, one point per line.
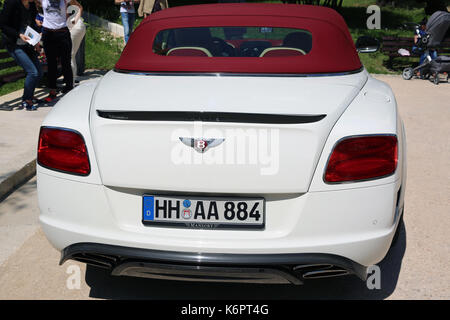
430	6
108	7
327	3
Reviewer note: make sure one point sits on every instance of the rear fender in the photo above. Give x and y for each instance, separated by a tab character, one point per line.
372	112
72	112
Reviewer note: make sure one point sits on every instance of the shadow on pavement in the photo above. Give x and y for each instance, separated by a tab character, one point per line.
17	203
106	286
14	104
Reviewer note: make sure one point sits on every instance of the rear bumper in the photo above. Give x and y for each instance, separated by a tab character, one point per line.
357	224
212	267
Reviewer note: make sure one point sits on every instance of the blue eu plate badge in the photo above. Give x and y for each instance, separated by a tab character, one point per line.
149	207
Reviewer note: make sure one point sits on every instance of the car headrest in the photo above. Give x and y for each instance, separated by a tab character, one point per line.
281	52
189	52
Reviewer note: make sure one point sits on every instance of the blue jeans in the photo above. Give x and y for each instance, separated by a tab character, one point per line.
28	60
423	54
128	24
433	55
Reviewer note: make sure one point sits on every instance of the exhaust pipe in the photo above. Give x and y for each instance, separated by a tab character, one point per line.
317	271
325	273
98	260
312	267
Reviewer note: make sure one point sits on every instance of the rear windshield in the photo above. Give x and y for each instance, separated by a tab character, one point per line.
263	42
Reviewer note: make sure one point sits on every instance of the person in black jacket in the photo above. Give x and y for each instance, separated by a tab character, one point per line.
14	19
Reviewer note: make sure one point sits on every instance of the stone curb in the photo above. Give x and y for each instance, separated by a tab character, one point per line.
18	178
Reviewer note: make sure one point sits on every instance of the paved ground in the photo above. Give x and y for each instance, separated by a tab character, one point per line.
18	136
19	130
417	267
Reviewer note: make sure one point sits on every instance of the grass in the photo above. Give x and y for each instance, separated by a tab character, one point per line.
102	49
11	87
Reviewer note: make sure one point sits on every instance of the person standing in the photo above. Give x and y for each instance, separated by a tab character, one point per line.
128	13
147	7
14	19
77	33
421	33
57	43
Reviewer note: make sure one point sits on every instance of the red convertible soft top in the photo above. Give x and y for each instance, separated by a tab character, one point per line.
332	51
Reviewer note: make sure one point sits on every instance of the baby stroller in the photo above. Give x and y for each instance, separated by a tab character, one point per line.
437	29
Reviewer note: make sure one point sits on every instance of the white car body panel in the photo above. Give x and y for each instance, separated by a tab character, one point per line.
72	112
295	223
372	112
303	213
134	142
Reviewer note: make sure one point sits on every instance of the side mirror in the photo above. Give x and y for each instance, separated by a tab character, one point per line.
367	44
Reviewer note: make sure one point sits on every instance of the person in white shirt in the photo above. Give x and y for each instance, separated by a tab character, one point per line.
77	33
57	43
128	13
147	7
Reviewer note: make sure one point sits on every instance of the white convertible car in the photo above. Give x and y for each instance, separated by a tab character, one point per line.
232	142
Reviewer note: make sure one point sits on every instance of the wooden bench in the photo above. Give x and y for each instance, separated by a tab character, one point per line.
392	44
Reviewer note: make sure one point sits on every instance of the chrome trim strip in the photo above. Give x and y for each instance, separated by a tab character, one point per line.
233	74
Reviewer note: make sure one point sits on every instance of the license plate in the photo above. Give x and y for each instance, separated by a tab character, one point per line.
203	213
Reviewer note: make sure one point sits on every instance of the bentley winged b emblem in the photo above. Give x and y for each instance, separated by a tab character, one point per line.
201	144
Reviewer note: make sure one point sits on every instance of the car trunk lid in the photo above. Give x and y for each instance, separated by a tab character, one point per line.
263	134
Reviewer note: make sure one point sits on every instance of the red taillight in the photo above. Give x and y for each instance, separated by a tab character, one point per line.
362	158
63	150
